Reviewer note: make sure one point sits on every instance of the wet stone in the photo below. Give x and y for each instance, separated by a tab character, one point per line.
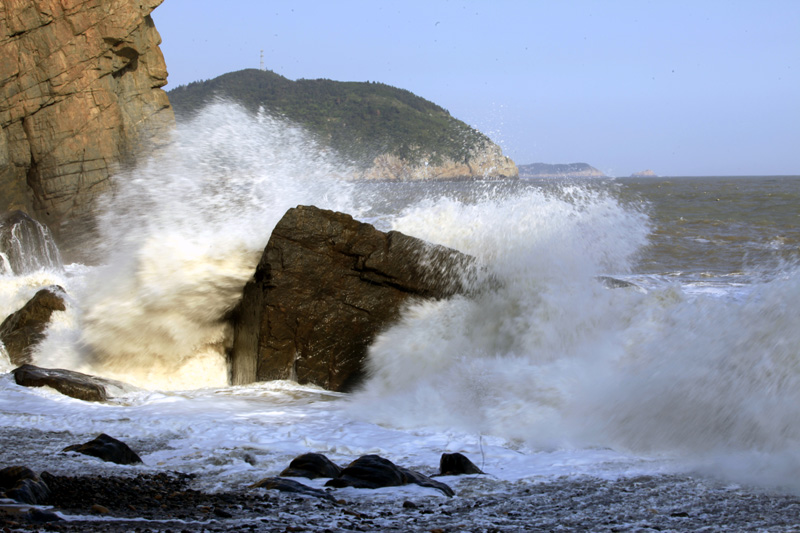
106	448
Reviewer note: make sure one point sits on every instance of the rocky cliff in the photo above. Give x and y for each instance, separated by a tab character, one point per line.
79	93
484	162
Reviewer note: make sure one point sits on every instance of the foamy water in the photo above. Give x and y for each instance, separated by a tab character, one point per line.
551	373
182	234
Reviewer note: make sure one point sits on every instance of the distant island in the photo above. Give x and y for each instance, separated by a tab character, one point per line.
644	174
564	170
385	132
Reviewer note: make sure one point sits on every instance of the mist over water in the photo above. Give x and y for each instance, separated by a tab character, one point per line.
555	359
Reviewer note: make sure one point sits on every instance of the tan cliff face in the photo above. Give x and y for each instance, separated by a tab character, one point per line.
80	92
488	162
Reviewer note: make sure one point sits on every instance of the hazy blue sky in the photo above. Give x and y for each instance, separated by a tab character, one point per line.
680	87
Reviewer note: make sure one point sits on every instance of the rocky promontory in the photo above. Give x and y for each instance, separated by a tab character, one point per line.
560	170
80	92
485	161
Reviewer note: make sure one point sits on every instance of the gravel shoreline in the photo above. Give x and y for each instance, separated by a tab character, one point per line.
167	503
95	496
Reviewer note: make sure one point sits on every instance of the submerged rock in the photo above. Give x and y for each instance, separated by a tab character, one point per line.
325	286
614	283
20	332
67	382
289	485
106	448
456	464
312	466
373	472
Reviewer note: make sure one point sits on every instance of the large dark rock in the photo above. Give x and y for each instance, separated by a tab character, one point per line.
67	382
26	245
312	466
23	485
373	472
325	286
22	331
108	449
456	464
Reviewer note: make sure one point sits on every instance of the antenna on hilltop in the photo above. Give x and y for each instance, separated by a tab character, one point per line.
261	63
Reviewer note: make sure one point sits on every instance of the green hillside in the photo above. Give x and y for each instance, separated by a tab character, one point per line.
359	119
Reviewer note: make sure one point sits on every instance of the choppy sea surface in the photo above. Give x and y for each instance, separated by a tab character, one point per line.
552	377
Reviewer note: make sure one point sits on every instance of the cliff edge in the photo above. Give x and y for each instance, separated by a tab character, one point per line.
80	92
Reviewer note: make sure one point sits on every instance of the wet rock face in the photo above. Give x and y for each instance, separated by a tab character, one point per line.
325	286
67	382
80	90
26	245
20	332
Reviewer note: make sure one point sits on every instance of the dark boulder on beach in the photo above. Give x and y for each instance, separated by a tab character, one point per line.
108	449
325	286
23	485
20	332
67	382
312	466
374	471
456	464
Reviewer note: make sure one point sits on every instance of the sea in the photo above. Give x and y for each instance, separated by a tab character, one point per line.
690	369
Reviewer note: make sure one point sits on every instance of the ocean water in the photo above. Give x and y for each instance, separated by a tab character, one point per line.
694	369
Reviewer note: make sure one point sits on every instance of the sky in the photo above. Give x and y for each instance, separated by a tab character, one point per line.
698	87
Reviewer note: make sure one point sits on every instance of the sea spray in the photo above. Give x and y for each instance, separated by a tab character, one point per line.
554	359
182	234
495	363
706	375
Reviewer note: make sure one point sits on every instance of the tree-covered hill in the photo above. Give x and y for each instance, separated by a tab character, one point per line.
361	120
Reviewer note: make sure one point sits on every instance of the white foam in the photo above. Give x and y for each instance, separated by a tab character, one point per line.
235	436
554	359
549	374
183	233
